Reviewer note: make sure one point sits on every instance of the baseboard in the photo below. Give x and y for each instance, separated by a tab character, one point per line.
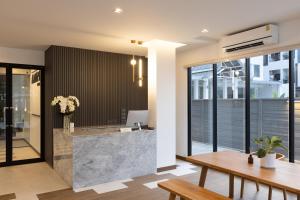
162	169
181	157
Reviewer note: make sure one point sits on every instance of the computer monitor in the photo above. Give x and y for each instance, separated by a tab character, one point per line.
135	116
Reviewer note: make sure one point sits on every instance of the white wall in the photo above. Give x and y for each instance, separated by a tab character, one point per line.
289	34
35	116
22	56
161	100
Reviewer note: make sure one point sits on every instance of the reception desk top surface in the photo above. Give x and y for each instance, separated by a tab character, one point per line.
96	130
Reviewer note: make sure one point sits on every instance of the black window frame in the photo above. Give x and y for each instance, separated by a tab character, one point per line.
291	81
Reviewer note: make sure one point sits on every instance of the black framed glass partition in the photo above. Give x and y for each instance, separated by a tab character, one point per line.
21	97
231	105
251	97
201	109
269	97
296	65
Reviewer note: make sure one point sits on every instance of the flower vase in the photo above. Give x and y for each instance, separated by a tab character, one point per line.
67	121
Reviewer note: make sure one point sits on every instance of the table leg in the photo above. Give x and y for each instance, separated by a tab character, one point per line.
172	196
231	186
203	176
270	193
242	187
298	196
284	194
257	186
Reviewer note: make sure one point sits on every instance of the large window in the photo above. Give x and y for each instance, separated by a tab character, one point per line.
201	109
297	102
231	105
269	98
236	101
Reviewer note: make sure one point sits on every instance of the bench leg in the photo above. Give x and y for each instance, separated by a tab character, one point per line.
231	186
298	196
203	176
172	196
284	195
270	193
242	187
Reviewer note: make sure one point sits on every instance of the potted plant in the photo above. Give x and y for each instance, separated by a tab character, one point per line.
266	151
67	106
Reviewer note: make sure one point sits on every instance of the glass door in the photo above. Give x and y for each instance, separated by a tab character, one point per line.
3	108
26	117
20	122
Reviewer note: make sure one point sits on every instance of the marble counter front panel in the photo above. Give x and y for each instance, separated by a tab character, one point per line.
95	158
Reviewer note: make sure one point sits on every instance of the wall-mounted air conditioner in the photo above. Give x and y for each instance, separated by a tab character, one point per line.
264	35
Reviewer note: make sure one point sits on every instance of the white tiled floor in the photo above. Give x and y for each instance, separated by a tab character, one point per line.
183	168
153	185
28	180
106	187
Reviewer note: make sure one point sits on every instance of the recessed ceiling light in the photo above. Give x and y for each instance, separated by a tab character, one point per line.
118	10
204	31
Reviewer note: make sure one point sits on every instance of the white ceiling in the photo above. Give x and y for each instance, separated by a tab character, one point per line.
92	24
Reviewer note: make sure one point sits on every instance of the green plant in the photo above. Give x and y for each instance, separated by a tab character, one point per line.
274	95
268	145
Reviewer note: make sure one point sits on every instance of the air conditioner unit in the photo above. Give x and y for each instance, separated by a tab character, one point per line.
264	35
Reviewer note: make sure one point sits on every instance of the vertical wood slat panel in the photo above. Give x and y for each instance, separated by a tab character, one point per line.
86	80
102	81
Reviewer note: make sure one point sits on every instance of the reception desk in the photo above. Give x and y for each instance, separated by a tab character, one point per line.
96	155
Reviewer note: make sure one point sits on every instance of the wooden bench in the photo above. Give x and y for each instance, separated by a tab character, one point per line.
188	191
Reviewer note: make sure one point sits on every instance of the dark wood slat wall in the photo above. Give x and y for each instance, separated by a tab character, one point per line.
102	81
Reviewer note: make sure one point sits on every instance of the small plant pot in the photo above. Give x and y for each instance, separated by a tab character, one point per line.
269	161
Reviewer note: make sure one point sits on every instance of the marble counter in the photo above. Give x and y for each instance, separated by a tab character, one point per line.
96	155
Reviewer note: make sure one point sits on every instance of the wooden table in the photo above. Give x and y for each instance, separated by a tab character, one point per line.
286	176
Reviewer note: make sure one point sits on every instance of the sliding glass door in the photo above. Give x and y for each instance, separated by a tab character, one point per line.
296	65
3	107
20	135
269	97
248	98
201	109
231	105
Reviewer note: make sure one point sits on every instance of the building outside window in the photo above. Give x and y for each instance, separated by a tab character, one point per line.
274	75
274	57
285	55
256	71
285	76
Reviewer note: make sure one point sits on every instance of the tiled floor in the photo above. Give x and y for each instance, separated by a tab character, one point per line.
200	148
21	151
28	180
38	181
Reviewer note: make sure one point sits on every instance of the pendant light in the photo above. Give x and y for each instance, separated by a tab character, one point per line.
133	62
140	72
